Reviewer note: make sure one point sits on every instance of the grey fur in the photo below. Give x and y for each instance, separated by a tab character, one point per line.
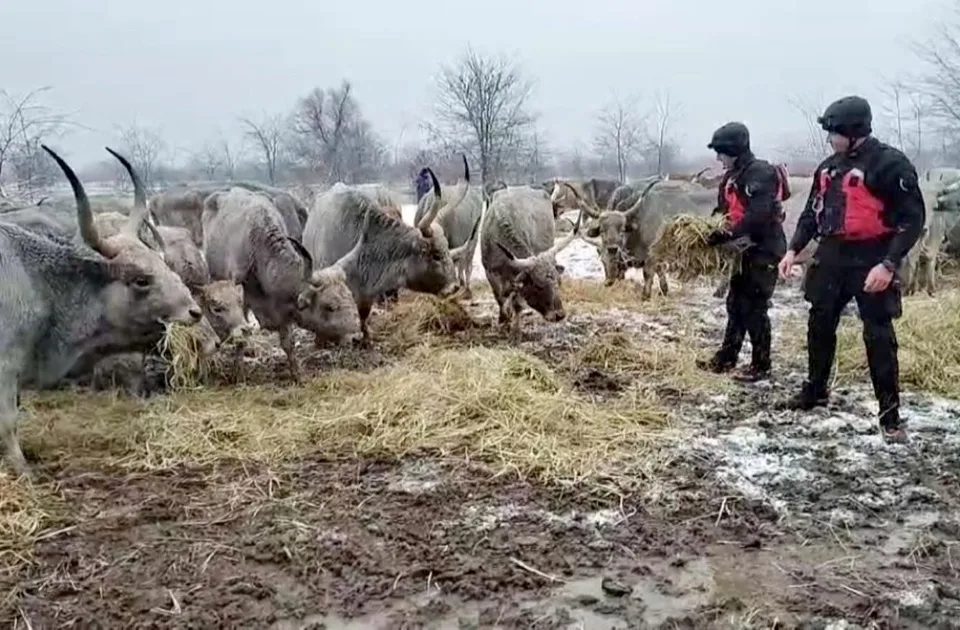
389	254
459	220
245	241
626	236
61	304
519	254
183	207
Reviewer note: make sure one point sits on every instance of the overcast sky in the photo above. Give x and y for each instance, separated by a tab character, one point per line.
191	67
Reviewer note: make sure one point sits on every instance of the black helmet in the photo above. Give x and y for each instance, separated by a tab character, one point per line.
732	139
849	116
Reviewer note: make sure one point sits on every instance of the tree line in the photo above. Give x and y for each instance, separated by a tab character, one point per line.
482	107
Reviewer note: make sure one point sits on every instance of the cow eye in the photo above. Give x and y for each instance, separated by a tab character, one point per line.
142	282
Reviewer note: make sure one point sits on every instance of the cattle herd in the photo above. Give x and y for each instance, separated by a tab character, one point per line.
82	283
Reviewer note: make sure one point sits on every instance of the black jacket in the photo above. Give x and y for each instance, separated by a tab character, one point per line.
889	176
756	186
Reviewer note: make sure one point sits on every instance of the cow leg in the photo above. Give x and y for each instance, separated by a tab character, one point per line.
363	309
931	271
661	278
514	306
286	343
9	397
466	273
647	289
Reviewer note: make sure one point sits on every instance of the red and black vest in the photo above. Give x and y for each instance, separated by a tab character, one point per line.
846	208
735	208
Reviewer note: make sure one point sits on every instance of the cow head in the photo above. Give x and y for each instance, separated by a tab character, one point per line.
222	304
537	277
325	305
948	199
143	294
184	257
610	233
430	272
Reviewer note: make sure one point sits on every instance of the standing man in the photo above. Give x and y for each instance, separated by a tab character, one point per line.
866	208
749	197
422	185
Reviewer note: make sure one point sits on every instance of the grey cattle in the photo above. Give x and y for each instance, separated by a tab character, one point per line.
221	301
519	254
245	241
389	254
462	208
593	191
183	207
941	198
59	303
624	238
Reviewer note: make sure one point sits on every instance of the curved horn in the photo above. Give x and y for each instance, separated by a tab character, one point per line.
156	235
696	177
317	276
307	258
88	230
558	247
471	240
632	211
517	263
139	213
451	205
424	224
592	211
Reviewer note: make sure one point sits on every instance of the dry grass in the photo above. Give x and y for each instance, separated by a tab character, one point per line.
407	322
654	362
500	406
682	246
928	334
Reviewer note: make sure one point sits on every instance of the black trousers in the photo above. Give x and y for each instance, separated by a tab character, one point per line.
748	301
829	289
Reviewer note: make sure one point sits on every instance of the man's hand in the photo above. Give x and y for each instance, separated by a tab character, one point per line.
786	264
717	237
878	279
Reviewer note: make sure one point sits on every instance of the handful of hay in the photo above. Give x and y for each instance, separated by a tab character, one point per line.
682	248
189	350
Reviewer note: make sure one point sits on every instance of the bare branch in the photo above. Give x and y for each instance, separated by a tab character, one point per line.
481	109
268	139
619	134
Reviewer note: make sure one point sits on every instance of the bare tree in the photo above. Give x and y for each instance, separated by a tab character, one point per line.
24	124
217	158
481	108
905	108
333	137
268	140
146	149
619	134
665	113
813	144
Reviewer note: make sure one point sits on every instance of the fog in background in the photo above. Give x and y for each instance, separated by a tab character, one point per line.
186	72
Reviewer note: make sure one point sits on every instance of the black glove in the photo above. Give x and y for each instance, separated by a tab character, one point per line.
717	237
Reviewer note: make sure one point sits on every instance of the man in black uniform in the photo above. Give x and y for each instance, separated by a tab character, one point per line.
749	196
866	208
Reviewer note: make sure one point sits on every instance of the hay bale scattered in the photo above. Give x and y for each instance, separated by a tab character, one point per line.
502	407
23	517
682	248
187	348
404	323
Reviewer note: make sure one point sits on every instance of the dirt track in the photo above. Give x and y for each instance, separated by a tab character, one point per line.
805	519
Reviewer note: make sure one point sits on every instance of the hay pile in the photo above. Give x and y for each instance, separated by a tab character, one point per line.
682	247
405	323
928	335
183	347
23	518
502	407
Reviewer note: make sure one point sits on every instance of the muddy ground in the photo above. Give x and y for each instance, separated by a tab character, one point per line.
762	518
